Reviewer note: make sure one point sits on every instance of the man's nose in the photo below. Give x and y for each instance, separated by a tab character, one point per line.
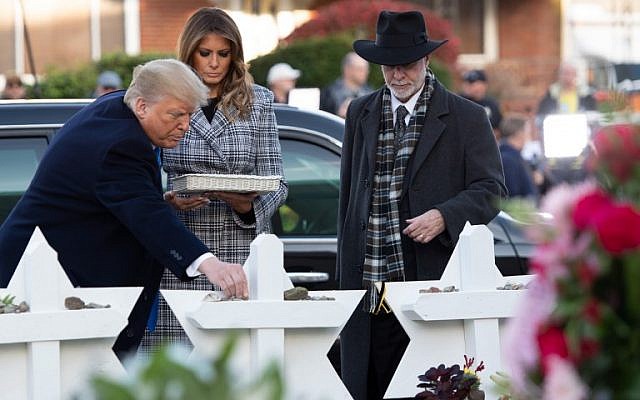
398	72
183	124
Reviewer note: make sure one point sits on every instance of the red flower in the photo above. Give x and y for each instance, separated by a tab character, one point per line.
589	207
617	150
551	342
616	225
591	311
588	348
618	228
586	273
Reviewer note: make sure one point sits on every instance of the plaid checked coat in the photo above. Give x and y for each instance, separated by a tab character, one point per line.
248	146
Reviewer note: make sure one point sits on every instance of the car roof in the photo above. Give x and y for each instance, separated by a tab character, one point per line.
58	111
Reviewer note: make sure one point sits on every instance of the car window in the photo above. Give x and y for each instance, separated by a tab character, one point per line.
19	158
313	175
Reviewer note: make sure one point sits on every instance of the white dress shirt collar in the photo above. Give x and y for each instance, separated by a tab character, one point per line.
409	105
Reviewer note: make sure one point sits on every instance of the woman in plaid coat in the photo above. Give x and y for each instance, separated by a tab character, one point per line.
234	134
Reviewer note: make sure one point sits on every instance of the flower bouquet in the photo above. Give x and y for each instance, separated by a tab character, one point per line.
577	334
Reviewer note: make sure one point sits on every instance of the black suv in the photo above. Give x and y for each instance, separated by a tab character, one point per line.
306	223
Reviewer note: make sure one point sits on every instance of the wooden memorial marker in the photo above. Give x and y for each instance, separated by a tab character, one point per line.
48	352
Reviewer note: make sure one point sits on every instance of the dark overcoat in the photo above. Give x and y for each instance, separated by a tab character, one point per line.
455	168
97	198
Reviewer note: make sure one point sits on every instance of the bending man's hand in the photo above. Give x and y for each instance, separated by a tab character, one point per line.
185	203
230	277
425	227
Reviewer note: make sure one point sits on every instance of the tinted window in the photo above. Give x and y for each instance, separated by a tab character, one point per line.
19	160
313	174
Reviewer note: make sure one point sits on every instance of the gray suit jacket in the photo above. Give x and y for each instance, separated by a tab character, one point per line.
455	168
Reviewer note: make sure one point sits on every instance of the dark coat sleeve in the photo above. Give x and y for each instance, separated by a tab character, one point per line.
126	188
479	171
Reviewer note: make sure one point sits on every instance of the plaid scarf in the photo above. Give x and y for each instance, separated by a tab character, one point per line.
383	255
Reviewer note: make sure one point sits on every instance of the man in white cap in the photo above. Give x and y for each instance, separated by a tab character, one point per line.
281	79
418	162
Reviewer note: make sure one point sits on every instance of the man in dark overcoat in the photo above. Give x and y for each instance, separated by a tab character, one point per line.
97	196
418	162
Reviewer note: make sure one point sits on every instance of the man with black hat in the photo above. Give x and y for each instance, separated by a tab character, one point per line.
417	163
474	88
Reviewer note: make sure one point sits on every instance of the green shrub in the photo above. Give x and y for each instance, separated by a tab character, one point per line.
320	59
80	82
167	375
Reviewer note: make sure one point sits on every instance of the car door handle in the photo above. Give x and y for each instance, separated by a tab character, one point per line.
308	277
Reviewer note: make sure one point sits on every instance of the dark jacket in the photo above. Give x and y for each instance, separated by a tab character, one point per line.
97	198
455	168
517	175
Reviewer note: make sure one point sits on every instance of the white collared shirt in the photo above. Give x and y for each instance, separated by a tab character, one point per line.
409	105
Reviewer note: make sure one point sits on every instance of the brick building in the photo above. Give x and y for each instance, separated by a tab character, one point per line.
518	42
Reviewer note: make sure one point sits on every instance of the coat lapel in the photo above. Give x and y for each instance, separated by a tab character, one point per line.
211	131
370	128
431	131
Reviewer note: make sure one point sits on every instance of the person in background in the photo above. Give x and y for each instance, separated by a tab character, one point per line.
565	95
281	79
14	88
515	132
234	133
474	88
97	197
336	97
107	82
417	163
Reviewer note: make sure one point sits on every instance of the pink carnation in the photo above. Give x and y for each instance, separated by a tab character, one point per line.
563	381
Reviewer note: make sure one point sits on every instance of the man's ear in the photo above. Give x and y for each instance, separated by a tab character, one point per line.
141	107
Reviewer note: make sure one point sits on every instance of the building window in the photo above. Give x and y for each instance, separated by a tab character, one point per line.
474	22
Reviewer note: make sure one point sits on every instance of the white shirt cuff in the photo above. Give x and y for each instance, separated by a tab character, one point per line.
192	269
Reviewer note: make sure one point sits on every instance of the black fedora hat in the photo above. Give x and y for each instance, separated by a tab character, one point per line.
401	38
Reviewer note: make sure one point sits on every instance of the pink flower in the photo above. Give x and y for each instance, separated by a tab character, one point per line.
563	382
520	344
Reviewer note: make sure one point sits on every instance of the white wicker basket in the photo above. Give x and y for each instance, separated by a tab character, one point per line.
198	183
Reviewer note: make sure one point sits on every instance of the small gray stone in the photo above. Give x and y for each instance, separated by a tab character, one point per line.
296	293
73	303
23	307
96	305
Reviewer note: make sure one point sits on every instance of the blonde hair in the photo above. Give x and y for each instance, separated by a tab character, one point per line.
166	77
236	87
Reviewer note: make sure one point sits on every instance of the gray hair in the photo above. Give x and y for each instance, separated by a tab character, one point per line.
166	77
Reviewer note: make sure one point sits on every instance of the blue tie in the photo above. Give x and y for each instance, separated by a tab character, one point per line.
153	315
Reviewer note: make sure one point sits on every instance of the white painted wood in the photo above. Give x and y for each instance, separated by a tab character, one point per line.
51	351
443	327
267	314
295	334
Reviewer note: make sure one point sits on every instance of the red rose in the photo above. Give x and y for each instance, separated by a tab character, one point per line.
617	150
551	342
589	207
618	228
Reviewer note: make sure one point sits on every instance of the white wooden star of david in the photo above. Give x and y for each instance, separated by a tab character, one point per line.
443	327
49	352
295	334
